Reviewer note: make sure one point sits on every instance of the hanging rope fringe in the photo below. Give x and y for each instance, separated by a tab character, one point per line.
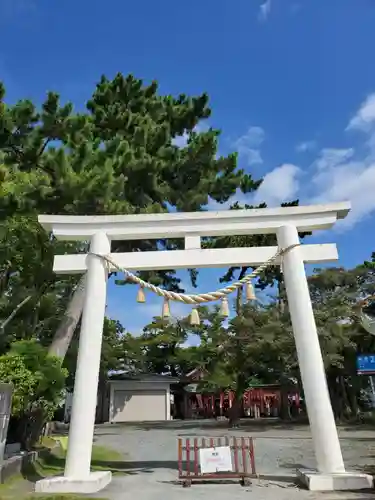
141	297
249	291
224	308
201	298
166	312
194	317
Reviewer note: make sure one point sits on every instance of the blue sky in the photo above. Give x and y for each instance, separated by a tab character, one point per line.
291	84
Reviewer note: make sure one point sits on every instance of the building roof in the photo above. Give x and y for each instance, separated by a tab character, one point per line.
142	377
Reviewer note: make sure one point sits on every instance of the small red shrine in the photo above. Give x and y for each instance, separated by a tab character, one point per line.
260	401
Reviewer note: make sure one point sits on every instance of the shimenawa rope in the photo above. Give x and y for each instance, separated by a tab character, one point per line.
196	299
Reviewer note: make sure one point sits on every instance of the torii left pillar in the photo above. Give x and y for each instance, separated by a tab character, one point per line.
77	477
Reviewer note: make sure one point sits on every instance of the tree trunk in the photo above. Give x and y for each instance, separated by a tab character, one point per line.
336	396
352	398
28	428
235	412
13	313
347	409
239	301
281	296
284	403
64	334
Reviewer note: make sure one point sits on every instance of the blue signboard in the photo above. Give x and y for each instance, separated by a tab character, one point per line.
366	364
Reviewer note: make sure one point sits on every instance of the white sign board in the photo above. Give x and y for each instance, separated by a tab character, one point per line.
215	460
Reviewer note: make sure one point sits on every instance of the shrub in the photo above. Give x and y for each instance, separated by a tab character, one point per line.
38	381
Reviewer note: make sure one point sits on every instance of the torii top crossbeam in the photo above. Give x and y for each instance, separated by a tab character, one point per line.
182	224
192	226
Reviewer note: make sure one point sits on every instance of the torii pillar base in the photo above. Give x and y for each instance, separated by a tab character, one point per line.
345	481
93	483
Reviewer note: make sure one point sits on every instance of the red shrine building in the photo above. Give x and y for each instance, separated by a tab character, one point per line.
261	401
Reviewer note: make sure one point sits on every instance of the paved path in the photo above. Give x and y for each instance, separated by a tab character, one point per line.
150	452
147	487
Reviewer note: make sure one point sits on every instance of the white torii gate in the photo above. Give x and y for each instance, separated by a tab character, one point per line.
286	223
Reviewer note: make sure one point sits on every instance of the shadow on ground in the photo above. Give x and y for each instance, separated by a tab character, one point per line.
53	466
261	425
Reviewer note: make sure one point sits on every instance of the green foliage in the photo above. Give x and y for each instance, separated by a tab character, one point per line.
256	346
271	276
160	348
119	156
116	157
32	297
37	378
14	371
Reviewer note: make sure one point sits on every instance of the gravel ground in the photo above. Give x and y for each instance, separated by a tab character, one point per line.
147	487
151	451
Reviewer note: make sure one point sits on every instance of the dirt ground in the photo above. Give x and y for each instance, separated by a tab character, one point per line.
149	469
280	449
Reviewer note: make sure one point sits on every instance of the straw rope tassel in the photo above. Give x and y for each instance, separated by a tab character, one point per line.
166	309
249	291
224	309
194	317
141	297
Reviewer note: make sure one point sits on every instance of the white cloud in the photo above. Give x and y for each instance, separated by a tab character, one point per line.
337	174
349	174
331	157
279	185
304	147
264	10
248	145
364	119
181	140
353	181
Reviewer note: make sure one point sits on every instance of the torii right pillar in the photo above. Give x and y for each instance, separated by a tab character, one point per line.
330	473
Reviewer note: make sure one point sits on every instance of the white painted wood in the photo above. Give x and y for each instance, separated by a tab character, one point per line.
322	423
82	422
192	242
181	259
179	225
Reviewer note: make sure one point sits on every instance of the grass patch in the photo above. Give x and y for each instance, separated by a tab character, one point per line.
13	488
46	442
60	497
51	462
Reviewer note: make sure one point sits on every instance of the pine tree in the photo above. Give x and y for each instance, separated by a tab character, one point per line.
118	157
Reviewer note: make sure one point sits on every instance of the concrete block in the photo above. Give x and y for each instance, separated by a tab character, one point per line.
346	481
95	482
